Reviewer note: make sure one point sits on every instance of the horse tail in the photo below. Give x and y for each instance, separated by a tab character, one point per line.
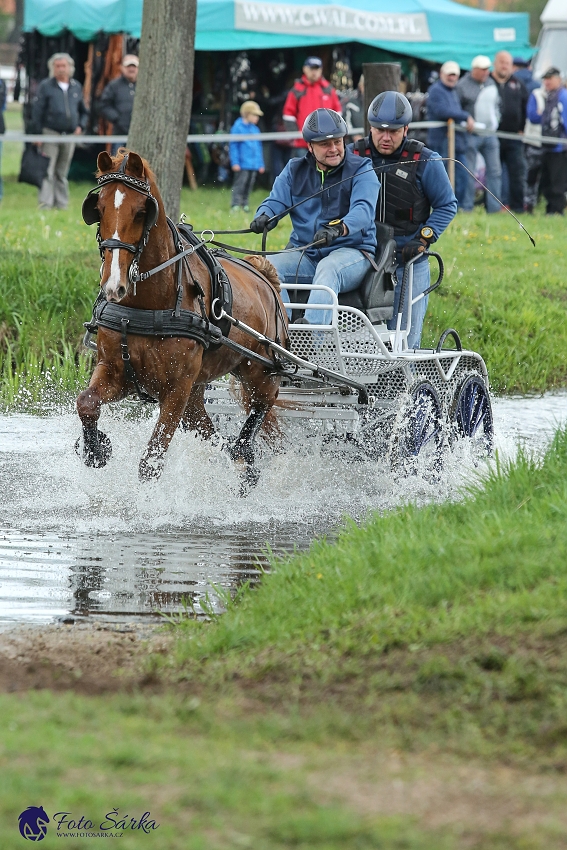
263	265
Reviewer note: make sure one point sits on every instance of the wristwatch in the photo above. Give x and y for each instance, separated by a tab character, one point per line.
427	234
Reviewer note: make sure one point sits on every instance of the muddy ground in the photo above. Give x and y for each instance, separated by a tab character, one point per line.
89	659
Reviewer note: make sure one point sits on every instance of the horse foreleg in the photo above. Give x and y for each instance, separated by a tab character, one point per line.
105	385
242	450
195	417
171	411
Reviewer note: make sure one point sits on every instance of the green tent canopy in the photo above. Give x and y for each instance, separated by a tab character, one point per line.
435	30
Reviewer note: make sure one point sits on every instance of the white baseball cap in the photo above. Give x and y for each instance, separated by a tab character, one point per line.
481	62
450	68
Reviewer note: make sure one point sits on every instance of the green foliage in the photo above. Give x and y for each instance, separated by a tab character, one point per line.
506	298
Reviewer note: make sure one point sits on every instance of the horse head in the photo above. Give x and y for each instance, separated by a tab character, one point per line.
126	206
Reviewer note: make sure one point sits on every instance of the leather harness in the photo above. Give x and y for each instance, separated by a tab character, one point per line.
208	331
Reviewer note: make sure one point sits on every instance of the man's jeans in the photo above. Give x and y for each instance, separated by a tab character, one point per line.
512	156
461	176
342	271
54	190
489	147
421	281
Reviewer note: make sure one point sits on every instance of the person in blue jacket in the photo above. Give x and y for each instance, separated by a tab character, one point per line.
246	157
443	103
553	120
336	193
416	200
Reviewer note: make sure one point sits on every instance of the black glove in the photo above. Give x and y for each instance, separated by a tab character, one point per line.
412	248
262	223
326	234
418	245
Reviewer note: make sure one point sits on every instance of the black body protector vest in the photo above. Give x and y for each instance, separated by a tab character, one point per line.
401	204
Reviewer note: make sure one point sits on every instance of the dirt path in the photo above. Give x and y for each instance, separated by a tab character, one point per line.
90	659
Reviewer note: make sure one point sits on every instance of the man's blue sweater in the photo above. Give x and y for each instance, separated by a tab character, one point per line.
348	192
443	103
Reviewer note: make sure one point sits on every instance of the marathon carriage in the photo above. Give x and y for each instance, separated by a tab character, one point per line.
162	320
357	387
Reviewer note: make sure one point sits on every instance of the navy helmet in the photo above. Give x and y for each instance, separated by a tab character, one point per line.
389	110
323	124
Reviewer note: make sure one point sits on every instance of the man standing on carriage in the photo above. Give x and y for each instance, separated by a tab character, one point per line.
416	201
331	197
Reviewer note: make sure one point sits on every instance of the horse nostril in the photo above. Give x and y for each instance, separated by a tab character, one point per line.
121	291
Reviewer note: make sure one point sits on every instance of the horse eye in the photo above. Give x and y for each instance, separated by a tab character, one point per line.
140	214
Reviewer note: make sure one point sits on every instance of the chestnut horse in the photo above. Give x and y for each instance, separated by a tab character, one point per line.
135	237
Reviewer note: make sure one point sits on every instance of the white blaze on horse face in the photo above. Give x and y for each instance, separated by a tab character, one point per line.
118	198
113	282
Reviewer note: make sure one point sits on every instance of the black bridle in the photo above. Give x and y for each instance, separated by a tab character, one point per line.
91	215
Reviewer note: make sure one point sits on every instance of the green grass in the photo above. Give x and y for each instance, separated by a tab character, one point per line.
506	298
425	651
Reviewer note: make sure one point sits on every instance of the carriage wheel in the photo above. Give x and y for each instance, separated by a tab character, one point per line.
417	437
472	413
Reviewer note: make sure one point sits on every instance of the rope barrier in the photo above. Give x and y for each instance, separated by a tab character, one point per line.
220	138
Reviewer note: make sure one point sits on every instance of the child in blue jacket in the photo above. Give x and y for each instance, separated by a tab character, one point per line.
246	157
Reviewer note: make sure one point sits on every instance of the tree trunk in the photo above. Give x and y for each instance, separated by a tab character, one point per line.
379	77
164	91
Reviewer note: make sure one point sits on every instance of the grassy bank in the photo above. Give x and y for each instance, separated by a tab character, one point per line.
404	688
506	298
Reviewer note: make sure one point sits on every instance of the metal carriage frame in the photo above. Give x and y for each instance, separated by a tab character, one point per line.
358	382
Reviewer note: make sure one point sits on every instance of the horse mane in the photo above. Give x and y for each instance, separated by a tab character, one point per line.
263	265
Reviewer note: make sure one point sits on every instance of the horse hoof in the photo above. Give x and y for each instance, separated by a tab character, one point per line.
149	471
96	454
250	477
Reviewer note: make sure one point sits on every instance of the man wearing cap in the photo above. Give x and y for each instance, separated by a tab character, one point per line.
246	157
513	102
117	99
553	121
479	96
311	92
416	201
522	71
443	103
331	197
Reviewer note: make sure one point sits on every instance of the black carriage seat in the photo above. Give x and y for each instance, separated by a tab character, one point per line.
375	295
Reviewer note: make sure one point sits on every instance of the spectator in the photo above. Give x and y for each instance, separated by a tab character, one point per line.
354	111
58	110
478	95
117	100
2	129
522	71
311	92
246	157
513	102
443	103
553	120
533	152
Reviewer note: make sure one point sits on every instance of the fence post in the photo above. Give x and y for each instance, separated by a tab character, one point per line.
451	151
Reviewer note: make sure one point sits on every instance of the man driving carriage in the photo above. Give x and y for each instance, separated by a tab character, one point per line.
336	194
416	200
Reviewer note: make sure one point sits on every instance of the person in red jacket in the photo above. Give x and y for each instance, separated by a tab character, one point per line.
309	93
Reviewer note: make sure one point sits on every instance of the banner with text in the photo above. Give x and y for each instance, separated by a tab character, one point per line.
329	21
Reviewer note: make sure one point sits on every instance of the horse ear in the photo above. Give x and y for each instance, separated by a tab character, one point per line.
104	161
135	165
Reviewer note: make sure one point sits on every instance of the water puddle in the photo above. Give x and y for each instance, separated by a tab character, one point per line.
79	543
